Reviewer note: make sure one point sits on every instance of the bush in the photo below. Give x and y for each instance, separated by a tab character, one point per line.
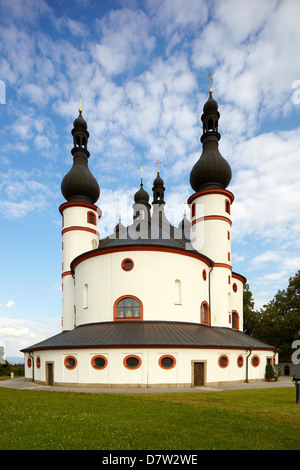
270	372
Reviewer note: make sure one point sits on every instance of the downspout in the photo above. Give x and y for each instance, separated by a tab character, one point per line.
32	366
209	299
250	351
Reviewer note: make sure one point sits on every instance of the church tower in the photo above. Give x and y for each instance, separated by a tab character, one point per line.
80	216
211	212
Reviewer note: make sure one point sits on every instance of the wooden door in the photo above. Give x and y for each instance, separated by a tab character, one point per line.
198	374
49	377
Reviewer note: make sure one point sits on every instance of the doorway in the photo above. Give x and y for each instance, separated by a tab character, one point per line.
50	373
198	374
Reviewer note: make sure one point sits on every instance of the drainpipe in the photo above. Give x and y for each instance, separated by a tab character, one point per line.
250	351
32	365
209	300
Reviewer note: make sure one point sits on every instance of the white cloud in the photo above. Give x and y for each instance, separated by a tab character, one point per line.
10	304
125	39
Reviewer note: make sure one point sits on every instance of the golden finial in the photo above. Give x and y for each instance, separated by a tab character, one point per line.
211	80
80	110
158	163
141	170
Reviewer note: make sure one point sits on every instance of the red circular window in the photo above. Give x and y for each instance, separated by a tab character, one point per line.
167	362
29	362
99	362
70	362
255	361
240	361
204	275
223	361
38	362
127	264
132	362
234	287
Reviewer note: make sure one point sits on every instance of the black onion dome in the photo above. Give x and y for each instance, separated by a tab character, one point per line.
79	122
79	184
141	196
158	190
211	170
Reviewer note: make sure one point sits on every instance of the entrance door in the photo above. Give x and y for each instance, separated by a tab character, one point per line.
49	373
198	374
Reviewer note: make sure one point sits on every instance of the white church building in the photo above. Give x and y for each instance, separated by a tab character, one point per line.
152	305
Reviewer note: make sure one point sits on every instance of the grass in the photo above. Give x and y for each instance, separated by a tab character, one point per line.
235	420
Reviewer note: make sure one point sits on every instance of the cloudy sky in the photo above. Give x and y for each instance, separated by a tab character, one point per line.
141	68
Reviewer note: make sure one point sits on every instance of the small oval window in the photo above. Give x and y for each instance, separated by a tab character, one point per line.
99	362
167	362
70	362
127	264
255	361
132	362
240	361
223	361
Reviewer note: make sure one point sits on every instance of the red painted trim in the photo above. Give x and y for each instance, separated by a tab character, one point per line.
132	368
241	358
234	312
222	265
206	192
207	322
84	229
66	205
131	318
93	362
167	355
124	262
119	249
239	277
227	359
258	361
66	273
212	217
93	217
66	362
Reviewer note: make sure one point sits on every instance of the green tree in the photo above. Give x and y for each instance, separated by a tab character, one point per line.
278	322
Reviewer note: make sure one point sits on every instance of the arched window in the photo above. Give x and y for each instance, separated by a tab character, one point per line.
235	320
128	308
205	313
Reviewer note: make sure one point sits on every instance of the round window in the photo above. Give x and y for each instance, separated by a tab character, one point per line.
167	362
223	361
240	361
29	362
127	264
132	362
99	362
234	287
70	362
38	362
255	361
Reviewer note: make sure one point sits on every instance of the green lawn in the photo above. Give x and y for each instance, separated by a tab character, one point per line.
247	419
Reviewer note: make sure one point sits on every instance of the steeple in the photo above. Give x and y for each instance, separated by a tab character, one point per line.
79	184
158	188
211	171
141	201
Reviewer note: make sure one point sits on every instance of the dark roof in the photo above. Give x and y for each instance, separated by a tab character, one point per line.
149	334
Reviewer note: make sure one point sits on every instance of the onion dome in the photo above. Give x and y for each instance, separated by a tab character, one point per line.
79	184
211	170
141	196
158	190
141	202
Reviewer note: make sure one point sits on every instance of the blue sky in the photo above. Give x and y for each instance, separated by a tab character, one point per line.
142	68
